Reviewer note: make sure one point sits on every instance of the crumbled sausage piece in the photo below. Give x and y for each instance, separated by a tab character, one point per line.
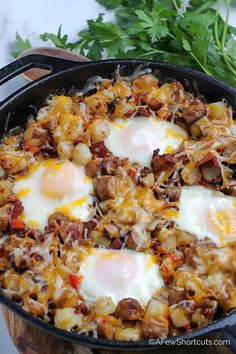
162	163
195	111
93	168
153	328
106	187
129	309
138	239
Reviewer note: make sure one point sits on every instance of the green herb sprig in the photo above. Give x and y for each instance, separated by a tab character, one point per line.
186	32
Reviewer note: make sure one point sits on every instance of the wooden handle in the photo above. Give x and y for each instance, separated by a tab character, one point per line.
30	340
36	73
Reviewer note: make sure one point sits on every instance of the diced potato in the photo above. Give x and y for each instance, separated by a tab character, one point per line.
157	309
81	154
67	318
179	317
127	334
100	130
104	305
65	149
5	191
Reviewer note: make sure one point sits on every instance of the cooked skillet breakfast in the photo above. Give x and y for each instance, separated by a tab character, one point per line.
118	210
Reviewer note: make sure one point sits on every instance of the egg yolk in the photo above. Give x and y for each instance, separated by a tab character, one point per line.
116	270
61	179
140	140
223	222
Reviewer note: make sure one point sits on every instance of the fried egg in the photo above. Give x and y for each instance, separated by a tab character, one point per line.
54	186
207	213
119	274
138	137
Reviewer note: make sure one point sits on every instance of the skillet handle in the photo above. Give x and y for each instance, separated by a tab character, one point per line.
229	334
34	61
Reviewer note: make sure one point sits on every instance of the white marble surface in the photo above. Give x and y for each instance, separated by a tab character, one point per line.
30	18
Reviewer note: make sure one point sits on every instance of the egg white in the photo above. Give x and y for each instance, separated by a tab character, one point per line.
138	137
38	207
141	285
200	208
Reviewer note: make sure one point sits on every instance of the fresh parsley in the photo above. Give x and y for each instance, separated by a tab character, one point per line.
187	32
21	45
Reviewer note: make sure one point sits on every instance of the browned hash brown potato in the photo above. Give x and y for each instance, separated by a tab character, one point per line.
131	169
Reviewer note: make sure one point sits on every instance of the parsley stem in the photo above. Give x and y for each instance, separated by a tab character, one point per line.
221	44
226	24
216	31
204	68
175	5
205	6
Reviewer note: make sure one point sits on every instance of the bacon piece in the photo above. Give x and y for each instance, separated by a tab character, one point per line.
17	209
57	219
99	149
60	224
160	163
129	309
90	225
116	244
81	308
74	229
143	111
194	112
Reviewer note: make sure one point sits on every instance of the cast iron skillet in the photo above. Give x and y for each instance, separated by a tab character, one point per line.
65	74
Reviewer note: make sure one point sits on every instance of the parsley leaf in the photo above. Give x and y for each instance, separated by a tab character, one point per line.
154	23
59	40
21	45
231	48
110	4
102	35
